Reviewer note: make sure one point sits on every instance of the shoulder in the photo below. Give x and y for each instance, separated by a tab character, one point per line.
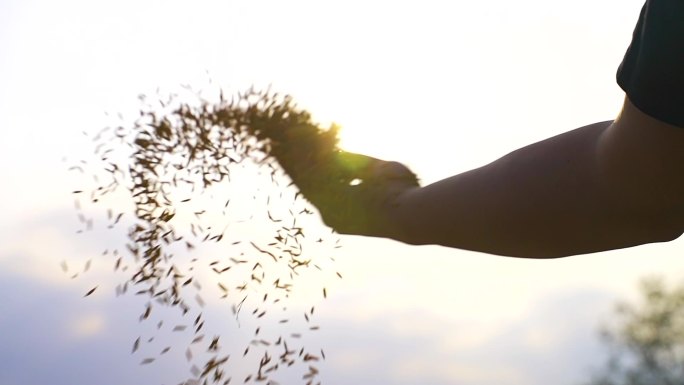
637	134
642	160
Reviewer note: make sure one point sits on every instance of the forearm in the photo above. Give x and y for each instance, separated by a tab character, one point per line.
545	200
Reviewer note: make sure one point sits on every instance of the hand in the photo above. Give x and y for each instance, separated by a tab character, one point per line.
354	193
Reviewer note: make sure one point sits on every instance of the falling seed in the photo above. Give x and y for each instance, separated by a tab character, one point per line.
91	291
202	136
214	344
147	312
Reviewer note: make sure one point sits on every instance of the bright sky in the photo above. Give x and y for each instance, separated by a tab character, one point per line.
440	86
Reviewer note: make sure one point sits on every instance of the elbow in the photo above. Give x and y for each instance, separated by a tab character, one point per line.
671	231
612	236
657	228
667	222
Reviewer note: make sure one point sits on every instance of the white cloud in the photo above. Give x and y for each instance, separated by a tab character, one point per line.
421	371
556	339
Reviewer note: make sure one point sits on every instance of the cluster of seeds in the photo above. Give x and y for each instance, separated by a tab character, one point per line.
177	152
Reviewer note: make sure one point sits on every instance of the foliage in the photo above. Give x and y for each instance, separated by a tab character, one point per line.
647	341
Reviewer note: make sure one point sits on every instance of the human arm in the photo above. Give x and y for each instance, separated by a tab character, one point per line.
605	186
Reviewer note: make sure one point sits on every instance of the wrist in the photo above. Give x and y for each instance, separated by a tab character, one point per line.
397	219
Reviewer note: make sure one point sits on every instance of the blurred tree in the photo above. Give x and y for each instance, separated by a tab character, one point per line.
647	341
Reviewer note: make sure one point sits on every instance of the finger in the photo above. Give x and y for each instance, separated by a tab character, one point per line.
366	167
391	170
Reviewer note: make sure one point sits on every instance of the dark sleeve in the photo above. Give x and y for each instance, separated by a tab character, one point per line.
652	71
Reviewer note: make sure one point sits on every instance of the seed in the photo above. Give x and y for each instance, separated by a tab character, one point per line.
91	291
191	147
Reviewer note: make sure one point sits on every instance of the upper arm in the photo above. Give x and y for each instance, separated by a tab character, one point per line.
641	167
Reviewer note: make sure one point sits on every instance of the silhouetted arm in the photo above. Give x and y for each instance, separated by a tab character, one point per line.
605	186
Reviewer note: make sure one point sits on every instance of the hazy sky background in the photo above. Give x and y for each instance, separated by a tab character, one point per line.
441	86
